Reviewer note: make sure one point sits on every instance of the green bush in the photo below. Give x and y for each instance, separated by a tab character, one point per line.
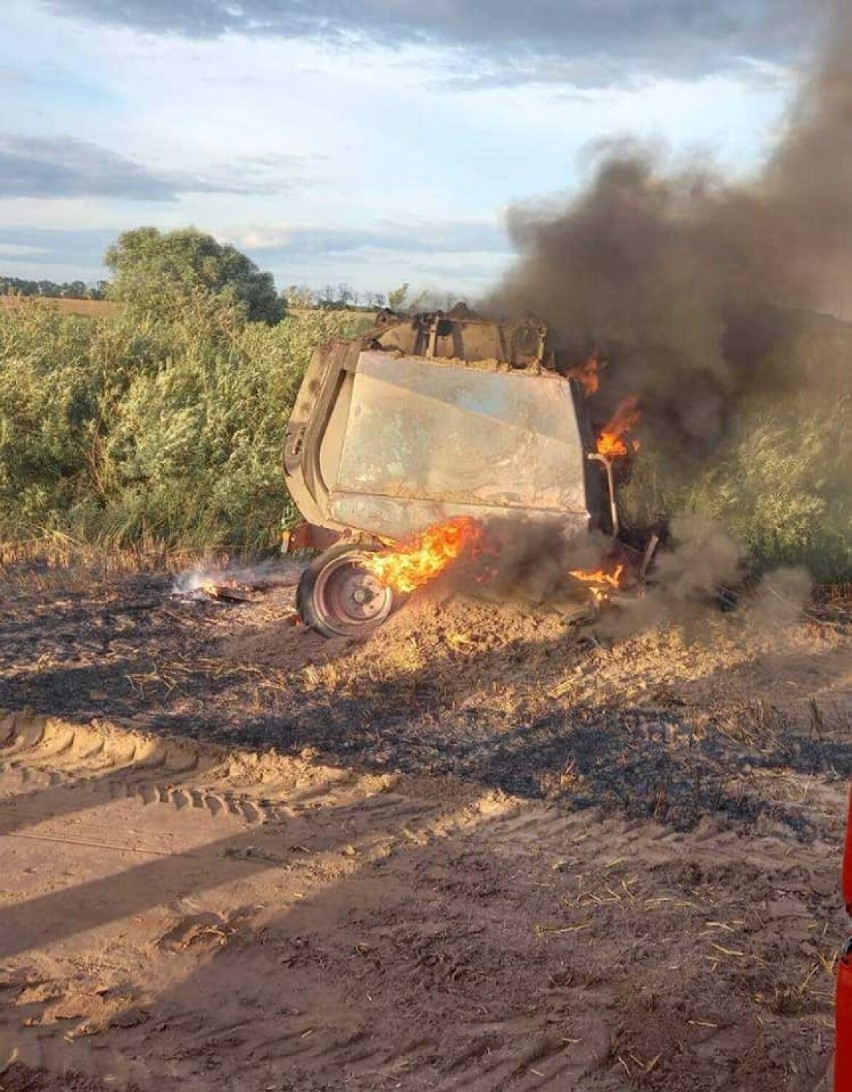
118	429
780	487
783	489
160	274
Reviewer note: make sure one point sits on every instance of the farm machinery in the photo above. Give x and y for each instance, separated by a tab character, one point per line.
411	439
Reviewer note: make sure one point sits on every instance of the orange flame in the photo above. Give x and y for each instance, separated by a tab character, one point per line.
600	582
587	375
415	563
610	442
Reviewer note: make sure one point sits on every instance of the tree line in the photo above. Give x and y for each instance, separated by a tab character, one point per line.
159	272
66	290
342	297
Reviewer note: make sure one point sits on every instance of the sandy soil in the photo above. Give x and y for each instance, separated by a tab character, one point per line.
485	850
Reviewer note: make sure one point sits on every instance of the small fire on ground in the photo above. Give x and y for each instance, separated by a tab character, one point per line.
600	582
238	584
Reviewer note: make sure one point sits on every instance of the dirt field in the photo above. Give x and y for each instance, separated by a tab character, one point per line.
486	850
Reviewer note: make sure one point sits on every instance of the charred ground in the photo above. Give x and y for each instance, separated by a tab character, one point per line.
723	714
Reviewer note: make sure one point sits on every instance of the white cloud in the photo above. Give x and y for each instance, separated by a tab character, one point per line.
19	251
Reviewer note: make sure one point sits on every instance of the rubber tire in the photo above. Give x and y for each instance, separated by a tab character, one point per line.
306	601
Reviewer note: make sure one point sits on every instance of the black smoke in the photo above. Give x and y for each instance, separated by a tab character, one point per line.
693	288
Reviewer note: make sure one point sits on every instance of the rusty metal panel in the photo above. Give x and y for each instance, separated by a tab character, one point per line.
445	439
396	518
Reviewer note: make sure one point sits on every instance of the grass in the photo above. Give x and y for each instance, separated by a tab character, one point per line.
58	560
781	487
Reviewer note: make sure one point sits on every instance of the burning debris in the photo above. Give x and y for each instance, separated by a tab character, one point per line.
229	592
612	440
472	555
238	584
471	435
600	583
587	374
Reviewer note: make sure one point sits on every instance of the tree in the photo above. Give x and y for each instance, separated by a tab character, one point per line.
75	290
345	296
325	298
339	298
299	295
376	300
398	297
158	273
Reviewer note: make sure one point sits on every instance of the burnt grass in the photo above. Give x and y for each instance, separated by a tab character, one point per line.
124	649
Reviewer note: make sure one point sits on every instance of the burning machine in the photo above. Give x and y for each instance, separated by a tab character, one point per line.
432	420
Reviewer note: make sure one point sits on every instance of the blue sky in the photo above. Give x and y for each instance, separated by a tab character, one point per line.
371	143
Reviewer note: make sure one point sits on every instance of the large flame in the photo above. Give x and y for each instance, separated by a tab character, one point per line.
611	442
415	563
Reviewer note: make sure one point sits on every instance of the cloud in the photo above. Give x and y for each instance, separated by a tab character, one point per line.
462	256
82	249
19	250
591	39
268	174
425	237
62	167
56	167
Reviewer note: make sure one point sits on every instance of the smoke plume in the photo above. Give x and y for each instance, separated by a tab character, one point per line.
692	287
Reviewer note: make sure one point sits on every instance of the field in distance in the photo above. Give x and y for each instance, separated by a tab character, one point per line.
92	308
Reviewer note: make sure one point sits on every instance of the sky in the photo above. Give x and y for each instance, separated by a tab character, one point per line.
372	143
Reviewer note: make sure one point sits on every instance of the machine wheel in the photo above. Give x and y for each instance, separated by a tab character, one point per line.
338	598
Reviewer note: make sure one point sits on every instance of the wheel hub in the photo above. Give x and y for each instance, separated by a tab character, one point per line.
349	599
356	594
